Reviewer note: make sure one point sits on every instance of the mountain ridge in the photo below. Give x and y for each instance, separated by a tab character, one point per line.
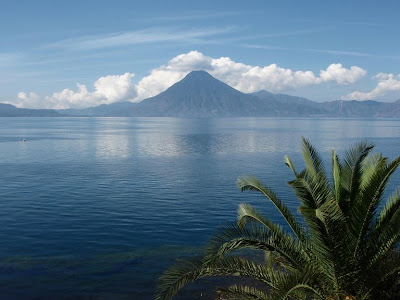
8	110
199	94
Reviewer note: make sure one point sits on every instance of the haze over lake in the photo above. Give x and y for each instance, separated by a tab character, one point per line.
98	207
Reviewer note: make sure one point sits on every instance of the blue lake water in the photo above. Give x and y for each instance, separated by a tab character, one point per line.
97	208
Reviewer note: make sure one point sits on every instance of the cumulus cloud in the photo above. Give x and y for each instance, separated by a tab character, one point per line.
246	78
336	72
164	76
31	98
107	89
386	83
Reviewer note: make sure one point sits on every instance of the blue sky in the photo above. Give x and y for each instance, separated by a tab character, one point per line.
83	53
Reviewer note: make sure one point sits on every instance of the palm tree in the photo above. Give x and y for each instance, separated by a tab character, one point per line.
343	248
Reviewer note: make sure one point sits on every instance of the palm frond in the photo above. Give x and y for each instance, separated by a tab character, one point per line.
314	175
247	213
312	159
370	197
251	183
391	207
369	165
323	217
289	163
286	249
239	292
336	174
304	283
352	170
386	234
187	271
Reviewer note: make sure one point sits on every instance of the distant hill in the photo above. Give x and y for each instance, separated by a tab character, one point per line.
118	109
201	95
391	110
359	109
8	110
286	105
353	108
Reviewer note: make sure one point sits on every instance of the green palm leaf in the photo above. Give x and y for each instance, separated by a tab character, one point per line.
187	271
238	292
253	184
235	237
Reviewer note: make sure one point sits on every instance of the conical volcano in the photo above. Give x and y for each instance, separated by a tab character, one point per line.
201	95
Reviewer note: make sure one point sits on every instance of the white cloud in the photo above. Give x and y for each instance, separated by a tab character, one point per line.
31	98
157	82
336	72
386	83
164	76
116	87
246	78
107	90
273	78
145	36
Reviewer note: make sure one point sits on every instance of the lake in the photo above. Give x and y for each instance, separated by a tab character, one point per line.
97	208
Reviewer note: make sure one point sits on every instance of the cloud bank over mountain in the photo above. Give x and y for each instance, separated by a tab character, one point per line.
245	78
386	83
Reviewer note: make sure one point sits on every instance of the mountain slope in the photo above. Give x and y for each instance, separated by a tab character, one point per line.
8	110
201	95
286	105
118	109
353	108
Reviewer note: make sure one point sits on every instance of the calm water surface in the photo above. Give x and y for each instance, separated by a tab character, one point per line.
97	208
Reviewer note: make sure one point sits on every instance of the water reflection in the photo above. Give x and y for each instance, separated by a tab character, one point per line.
120	138
215	136
113	146
159	145
173	137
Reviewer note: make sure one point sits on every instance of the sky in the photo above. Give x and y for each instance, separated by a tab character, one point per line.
76	54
